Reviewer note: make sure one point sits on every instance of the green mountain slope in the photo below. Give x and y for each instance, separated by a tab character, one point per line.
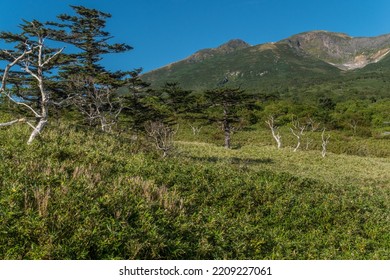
308	62
250	67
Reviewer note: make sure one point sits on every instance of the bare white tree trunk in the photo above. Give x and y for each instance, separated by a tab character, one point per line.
313	124
275	132
196	129
162	136
353	124
42	61
308	142
297	130
95	102
325	141
45	97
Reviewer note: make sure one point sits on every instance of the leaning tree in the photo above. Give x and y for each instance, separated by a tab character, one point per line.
26	86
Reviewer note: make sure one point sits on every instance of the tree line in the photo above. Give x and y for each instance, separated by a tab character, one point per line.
54	69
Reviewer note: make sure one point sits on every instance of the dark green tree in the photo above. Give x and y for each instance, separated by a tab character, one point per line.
224	105
94	88
178	99
86	31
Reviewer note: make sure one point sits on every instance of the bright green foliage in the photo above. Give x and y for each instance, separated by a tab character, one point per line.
86	195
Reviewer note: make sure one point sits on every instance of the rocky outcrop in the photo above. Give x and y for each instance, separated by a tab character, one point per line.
341	50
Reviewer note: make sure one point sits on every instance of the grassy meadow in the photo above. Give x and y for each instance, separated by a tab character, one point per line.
80	194
117	172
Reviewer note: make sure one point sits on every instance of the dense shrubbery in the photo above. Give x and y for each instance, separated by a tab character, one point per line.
86	195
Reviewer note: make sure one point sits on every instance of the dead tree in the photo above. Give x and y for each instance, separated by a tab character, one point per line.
297	130
313	124
195	129
275	131
95	102
162	135
34	58
353	124
308	142
325	141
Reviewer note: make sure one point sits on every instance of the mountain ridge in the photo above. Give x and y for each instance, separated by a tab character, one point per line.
306	57
340	49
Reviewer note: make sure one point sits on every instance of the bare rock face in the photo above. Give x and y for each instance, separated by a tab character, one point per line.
341	50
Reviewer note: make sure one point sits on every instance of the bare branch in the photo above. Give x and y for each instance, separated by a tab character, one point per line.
39	76
274	131
325	141
9	66
162	136
12	122
95	102
51	57
353	124
297	130
5	77
195	129
27	69
313	124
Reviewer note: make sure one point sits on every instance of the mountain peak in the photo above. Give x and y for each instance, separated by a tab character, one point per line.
308	56
234	44
228	47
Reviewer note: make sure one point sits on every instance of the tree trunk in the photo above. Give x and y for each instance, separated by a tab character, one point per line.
44	116
227	136
37	130
226	128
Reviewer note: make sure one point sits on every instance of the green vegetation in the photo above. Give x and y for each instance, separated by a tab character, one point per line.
125	170
85	195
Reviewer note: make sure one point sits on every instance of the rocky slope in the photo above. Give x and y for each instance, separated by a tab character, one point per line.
340	49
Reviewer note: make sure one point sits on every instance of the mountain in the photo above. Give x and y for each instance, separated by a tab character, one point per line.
302	60
341	50
231	46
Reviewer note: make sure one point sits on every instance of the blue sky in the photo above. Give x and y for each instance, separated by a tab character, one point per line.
162	32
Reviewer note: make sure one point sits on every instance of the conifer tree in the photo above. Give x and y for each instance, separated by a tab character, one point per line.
94	88
225	104
86	31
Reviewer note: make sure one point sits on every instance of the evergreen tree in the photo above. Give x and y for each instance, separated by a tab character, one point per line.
177	98
94	89
228	102
85	31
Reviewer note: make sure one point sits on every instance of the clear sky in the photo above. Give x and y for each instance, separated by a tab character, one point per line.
165	31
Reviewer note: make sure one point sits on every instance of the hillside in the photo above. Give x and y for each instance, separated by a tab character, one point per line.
303	60
85	195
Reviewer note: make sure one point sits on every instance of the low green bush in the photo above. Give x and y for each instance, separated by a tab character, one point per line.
77	194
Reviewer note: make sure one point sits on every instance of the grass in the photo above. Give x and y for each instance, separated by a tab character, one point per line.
355	170
77	194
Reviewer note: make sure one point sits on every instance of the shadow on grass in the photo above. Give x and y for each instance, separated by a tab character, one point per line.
234	160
